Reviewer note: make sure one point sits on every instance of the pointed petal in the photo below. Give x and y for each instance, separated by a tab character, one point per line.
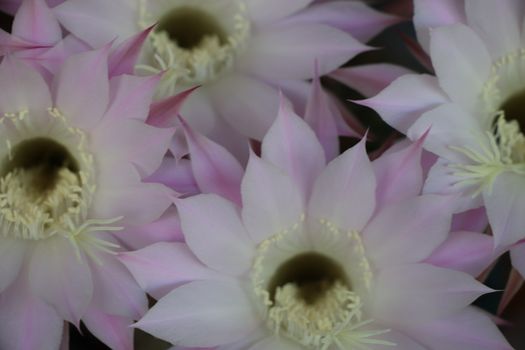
396	104
218	239
505	203
270	50
462	63
114	331
177	175
12	254
292	146
164	113
498	24
61	277
470	252
82	88
214	168
123	58
163	266
36	23
263	11
272	202
202	313
514	284
422	292
344	193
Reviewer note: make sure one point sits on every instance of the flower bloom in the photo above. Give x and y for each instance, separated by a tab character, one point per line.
473	106
239	51
339	256
72	158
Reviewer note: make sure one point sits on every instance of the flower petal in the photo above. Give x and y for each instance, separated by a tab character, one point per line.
61	277
218	239
12	254
263	11
36	23
164	266
344	193
202	313
275	342
114	331
272	202
292	146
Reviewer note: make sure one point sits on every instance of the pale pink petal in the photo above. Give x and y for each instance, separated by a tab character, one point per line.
399	175
369	79
470	252
301	44
115	291
430	14
218	239
164	113
422	292
60	276
131	96
497	23
123	58
356	18
82	88
462	63
517	254
36	23
344	193
226	135
423	221
275	342
319	114
112	19
114	331
26	322
271	201
202	313
197	108
164	266
296	91
513	286
12	254
468	329
292	146
264	11
177	175
474	220
396	104
22	88
214	168
505	203
248	104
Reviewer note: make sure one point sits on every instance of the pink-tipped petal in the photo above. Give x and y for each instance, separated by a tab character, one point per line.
123	58
164	113
474	220
514	284
292	146
164	266
114	331
177	175
221	230
424	221
202	313
462	63
396	104
272	202
36	23
70	287
344	193
301	44
369	79
214	168
264	11
470	252
82	88
319	115
12	254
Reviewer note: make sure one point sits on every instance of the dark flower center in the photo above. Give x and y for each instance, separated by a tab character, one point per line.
43	158
311	272
188	26
514	109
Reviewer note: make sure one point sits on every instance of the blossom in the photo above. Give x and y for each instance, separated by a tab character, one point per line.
337	256
239	51
472	106
74	154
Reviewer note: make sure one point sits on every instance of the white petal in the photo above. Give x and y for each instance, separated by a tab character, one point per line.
262	11
203	313
12	253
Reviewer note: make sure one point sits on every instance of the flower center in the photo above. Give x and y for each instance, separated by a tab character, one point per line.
193	43
514	109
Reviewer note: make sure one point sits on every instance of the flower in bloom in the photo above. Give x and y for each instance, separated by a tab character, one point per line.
73	155
474	106
238	51
340	256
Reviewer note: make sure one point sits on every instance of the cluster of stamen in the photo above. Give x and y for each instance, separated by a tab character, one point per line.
310	298
198	63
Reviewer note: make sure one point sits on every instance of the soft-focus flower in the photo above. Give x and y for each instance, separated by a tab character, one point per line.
474	106
339	256
239	51
73	155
